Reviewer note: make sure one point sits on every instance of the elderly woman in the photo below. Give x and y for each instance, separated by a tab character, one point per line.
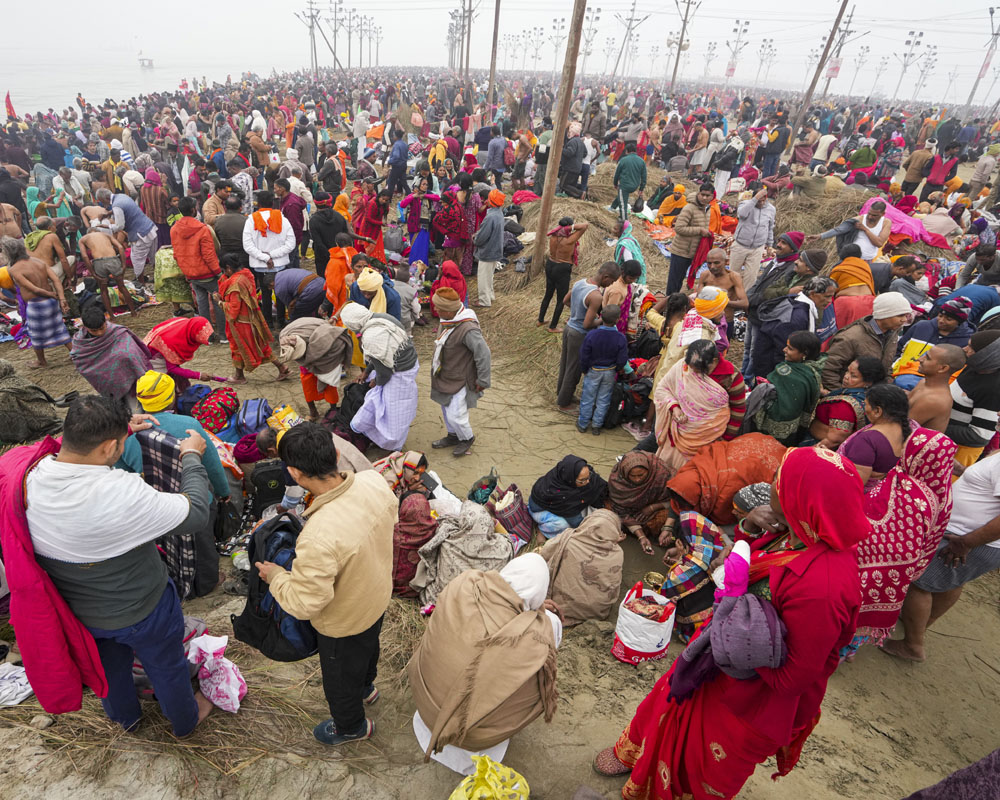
700	400
842	411
562	496
322	351
485	667
638	493
391	369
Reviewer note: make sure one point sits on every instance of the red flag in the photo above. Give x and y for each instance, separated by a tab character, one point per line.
11	114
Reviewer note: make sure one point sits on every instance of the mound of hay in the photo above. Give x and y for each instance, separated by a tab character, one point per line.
601	189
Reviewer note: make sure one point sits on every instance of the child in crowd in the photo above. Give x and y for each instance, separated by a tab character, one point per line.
794	386
409	306
603	353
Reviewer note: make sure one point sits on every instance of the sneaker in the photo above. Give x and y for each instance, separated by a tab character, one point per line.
223	340
463	447
596	430
371	694
581	428
448	441
326	732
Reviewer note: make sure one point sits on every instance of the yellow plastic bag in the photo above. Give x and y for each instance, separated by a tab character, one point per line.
491	781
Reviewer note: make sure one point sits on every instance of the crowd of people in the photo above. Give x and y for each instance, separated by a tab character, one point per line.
838	405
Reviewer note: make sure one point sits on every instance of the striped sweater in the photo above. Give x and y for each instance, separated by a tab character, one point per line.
975	408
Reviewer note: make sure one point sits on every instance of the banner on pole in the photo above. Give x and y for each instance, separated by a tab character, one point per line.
833	67
731	68
986	64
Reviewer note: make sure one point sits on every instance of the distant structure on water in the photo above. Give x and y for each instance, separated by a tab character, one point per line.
145	63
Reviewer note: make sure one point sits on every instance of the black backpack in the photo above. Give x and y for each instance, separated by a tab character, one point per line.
268	483
647	344
615	415
263	623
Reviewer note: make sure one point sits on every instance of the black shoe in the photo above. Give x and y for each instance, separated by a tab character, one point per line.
448	441
464	446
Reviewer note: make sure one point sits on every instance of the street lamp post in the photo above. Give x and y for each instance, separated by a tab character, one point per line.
910	57
592	17
556	37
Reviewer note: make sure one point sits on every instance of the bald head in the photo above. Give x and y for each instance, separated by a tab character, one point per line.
949	354
716	260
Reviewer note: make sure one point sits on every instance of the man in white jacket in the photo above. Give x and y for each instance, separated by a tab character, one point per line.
268	239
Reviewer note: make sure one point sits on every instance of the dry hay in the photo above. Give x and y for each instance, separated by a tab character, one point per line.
600	184
401	630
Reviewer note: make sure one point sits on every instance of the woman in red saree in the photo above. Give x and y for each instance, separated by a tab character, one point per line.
909	510
707	746
247	331
450	277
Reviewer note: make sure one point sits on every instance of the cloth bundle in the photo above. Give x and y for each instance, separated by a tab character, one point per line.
219	678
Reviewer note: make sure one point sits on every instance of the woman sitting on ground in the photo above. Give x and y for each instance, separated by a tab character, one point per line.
415	527
842	412
795	386
638	493
698	401
875	449
485	667
688	582
586	567
562	496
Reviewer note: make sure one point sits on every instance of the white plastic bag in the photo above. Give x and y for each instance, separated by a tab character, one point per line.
637	638
219	678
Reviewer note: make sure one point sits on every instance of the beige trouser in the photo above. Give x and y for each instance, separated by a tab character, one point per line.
746	260
485	281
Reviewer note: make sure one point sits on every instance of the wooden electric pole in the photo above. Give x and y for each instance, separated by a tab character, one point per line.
493	58
558	135
680	44
804	108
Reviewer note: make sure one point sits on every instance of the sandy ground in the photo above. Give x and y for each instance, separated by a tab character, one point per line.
888	728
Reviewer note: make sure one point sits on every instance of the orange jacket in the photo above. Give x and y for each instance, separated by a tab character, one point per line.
194	249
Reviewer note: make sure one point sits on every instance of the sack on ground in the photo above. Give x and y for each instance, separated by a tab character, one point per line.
218	678
263	623
638	638
512	512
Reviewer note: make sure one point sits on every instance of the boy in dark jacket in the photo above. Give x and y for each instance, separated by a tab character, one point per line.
603	353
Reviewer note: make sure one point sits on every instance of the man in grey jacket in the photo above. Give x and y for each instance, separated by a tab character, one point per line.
754	232
494	155
986	261
488	240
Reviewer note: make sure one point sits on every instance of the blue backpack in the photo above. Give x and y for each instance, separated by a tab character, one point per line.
190	397
263	624
252	416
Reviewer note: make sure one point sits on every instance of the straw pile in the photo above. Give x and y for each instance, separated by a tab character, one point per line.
401	630
600	184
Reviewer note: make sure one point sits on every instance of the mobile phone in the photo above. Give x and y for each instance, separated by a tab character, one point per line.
429	482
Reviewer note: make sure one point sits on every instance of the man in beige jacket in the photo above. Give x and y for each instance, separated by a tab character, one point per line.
690	227
341	579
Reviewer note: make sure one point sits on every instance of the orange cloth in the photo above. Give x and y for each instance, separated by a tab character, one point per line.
273	222
249	336
715	218
310	388
853	272
337	270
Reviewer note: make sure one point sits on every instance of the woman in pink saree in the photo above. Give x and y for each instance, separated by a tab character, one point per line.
692	409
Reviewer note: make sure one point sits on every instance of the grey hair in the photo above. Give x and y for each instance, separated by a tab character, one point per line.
818	285
13	249
103	195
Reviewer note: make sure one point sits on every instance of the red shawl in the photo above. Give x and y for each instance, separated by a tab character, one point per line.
415	528
451	277
909	510
178	339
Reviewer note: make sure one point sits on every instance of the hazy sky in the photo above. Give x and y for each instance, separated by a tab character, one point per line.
219	38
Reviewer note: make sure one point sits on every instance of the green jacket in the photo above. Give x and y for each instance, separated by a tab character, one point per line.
631	173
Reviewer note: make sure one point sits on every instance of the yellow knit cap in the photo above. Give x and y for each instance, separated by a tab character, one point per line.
155	391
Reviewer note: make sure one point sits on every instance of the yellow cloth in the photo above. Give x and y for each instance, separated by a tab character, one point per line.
155	391
853	272
711	307
6	282
951	186
967	456
341	579
370	281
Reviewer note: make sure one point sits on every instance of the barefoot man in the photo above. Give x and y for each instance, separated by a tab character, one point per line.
105	257
930	400
719	274
10	221
42	293
44	244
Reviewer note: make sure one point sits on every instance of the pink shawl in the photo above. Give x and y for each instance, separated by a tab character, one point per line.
691	410
906	225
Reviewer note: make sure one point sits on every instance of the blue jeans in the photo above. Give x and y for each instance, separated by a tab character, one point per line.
158	642
595	397
770	165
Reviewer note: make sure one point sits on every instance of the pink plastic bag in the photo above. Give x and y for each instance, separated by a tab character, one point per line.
219	678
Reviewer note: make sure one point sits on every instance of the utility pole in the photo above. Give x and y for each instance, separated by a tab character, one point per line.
335	25
990	50
592	17
561	117
952	76
468	44
883	65
736	46
815	79
556	37
671	48
909	58
766	49
709	56
534	39
311	18
681	44
842	35
609	48
493	55
930	61
654	56
350	25
859	62
630	24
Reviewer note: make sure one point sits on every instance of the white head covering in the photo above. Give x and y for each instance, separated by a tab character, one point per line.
354	316
528	575
292	154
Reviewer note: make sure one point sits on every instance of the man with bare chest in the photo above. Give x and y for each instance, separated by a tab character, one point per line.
42	292
10	221
718	274
105	257
44	245
931	400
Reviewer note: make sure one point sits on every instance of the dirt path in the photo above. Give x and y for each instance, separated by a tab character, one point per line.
888	728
